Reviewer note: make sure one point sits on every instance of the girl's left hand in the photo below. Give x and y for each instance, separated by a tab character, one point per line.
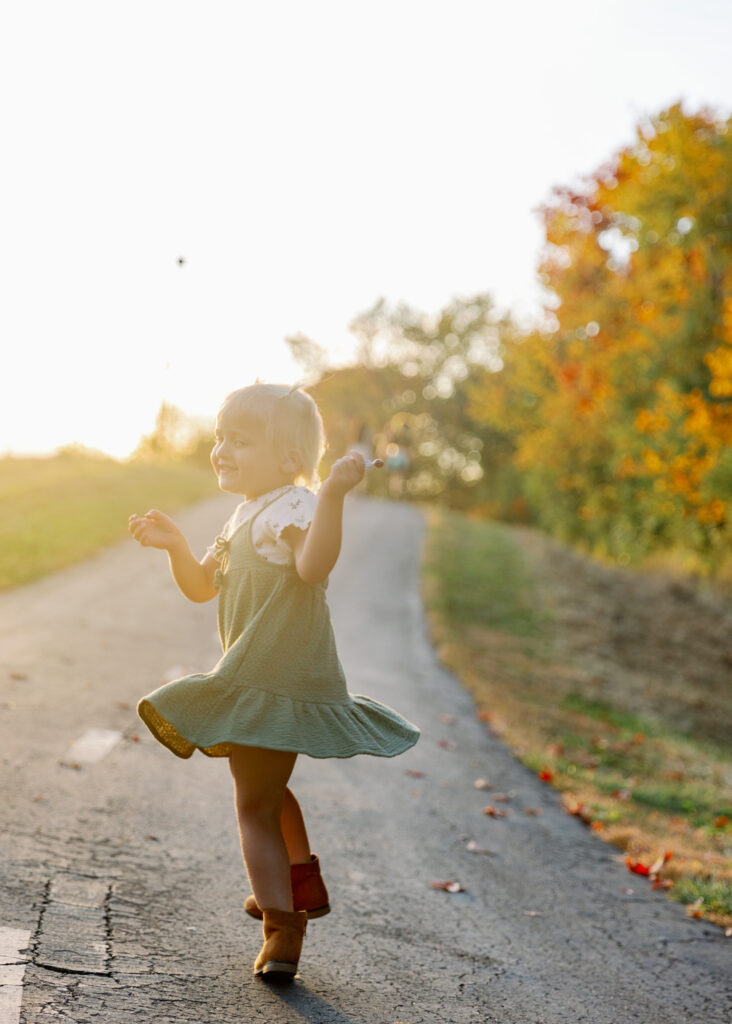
344	474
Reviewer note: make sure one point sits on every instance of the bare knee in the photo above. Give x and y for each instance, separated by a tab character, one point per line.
259	807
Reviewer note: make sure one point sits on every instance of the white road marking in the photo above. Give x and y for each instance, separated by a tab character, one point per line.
92	746
12	969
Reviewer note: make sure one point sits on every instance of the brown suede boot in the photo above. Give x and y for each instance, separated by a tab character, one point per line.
308	891
284	931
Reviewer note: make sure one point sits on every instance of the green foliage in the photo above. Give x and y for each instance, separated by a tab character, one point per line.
716	895
409	395
478	577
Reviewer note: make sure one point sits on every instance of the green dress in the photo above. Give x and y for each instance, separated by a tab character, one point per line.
279	683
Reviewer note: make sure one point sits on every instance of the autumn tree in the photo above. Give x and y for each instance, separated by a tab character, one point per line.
621	406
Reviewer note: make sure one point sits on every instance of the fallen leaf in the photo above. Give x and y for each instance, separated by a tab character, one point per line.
495	812
639	738
533	810
483	716
153	839
695	909
545	775
39	799
721	821
413	773
657	865
662	883
636	867
728	933
503	798
71	764
533	913
576	808
447	886
447	719
628	892
446	744
123	705
20	676
473	847
482	784
597	826
134	738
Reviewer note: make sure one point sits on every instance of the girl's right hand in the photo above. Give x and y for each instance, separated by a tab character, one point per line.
155	530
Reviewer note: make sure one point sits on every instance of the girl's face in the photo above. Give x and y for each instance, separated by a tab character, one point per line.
244	461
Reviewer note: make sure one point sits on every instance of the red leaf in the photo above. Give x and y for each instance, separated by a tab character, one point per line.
695	909
483	716
662	883
545	775
636	867
413	773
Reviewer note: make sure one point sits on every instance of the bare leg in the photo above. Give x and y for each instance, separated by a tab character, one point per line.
260	784
293	830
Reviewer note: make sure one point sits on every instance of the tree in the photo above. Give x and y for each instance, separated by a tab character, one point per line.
621	408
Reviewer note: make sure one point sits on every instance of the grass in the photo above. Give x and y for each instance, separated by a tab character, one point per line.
636	783
59	510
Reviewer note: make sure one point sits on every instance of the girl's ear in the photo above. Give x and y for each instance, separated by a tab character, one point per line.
291	462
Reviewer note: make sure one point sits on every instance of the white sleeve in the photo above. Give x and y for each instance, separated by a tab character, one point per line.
295	508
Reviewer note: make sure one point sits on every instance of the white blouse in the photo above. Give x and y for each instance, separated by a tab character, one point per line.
294	507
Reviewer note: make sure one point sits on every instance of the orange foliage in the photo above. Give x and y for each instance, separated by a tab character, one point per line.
621	409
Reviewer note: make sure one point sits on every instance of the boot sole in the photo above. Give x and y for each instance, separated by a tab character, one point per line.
275	970
318	912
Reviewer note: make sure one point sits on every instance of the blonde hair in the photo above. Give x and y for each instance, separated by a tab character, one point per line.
291	421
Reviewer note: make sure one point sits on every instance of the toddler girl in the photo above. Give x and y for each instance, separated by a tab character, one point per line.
278	690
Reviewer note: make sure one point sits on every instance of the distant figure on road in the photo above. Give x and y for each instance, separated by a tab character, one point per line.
397	464
279	688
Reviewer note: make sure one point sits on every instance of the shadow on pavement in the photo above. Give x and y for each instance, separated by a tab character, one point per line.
311	1008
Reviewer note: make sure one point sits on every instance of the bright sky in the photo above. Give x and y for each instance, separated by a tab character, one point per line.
305	158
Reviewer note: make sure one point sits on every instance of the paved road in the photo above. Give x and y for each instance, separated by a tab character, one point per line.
121	879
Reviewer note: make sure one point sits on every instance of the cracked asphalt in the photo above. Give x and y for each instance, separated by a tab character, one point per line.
127	875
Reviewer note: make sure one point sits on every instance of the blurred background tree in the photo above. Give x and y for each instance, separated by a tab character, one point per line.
407	402
176	436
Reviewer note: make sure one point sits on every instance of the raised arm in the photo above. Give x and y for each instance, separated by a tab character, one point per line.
316	550
194	578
